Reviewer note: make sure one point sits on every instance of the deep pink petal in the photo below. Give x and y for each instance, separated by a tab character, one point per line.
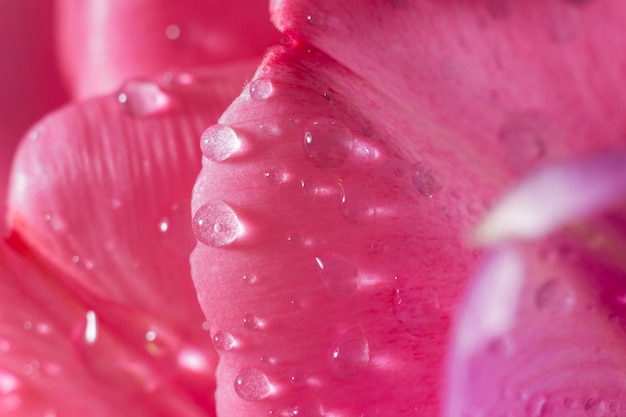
30	83
516	82
330	251
101	189
541	331
102	44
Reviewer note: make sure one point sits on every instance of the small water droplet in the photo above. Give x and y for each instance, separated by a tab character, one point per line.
327	143
8	382
143	98
172	32
350	355
261	89
554	296
164	225
276	177
252	322
91	328
595	407
338	275
216	224
219	142
150	335
223	341
298	380
357	210
315	19
536	405
249	279
416	309
251	384
522	141
425	180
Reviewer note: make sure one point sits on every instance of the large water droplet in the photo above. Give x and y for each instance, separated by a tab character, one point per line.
143	98
216	224
350	355
252	385
327	143
424	180
219	142
416	309
223	341
338	275
261	89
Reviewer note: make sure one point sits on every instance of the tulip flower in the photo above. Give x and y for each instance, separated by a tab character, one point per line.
329	227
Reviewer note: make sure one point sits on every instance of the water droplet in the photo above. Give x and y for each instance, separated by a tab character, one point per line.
150	335
356	209
249	279
327	143
261	89
91	328
338	275
416	309
172	32
216	224
554	296
276	177
298	380
536	405
164	225
424	180
28	325
315	19
219	142
223	341
350	355
143	98
252	385
595	407
522	141
8	382
252	322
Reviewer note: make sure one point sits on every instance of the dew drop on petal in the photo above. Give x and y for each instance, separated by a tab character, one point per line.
143	98
91	327
223	341
216	224
416	309
8	382
315	18
219	142
595	407
164	225
251	384
261	89
252	322
249	279
327	143
425	180
521	138
350	355
338	275
554	296
276	176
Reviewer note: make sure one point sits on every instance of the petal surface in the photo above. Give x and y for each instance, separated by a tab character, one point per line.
517	82
331	250
541	331
101	189
102	44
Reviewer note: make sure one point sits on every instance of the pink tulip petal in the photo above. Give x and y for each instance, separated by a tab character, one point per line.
542	330
54	361
101	189
517	82
102	44
30	83
330	254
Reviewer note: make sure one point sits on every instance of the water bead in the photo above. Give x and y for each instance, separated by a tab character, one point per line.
251	384
424	180
327	143
350	355
223	341
219	142
143	98
338	275
216	224
416	309
261	89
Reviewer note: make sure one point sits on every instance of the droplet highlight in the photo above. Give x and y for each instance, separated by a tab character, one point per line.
351	355
251	384
91	327
216	224
327	143
261	89
143	98
252	322
223	341
219	142
338	275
